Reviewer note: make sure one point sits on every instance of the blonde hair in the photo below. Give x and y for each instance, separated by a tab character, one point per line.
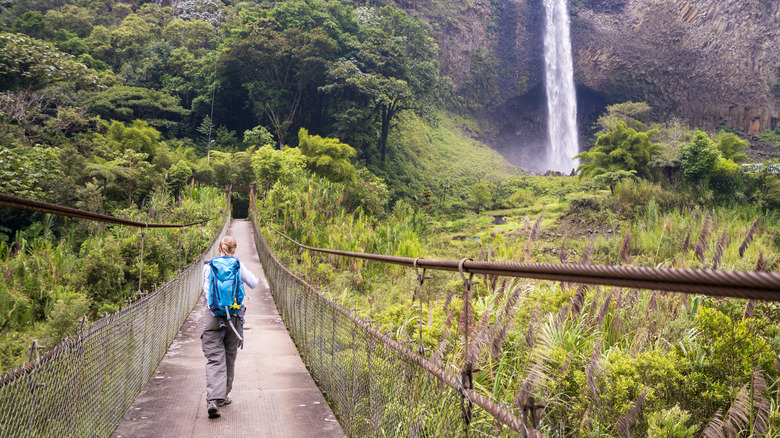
228	245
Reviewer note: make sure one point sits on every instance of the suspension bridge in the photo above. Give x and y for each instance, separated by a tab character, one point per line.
309	368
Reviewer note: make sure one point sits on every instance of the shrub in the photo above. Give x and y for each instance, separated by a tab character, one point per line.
620	149
670	423
522	198
271	165
699	159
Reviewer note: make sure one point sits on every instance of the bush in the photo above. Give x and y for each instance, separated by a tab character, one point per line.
771	136
522	198
65	315
699	159
271	165
670	423
368	192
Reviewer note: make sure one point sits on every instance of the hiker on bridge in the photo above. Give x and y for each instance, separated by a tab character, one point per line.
223	283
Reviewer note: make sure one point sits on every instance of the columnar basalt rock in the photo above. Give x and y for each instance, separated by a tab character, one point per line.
712	62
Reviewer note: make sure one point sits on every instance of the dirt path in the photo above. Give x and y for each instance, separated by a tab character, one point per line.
273	394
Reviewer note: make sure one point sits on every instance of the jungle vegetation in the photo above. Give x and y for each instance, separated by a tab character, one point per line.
338	112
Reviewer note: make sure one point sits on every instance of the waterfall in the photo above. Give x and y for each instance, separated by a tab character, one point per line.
561	100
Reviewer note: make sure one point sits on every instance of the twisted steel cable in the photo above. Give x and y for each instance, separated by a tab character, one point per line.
735	284
504	415
44	207
85	385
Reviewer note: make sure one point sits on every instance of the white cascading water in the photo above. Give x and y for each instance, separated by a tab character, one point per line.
561	100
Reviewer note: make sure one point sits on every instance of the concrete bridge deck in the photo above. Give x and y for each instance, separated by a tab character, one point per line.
273	394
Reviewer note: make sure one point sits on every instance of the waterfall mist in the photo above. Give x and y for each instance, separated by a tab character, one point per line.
561	99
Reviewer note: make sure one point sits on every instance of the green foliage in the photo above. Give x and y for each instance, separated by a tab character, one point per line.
657	374
731	147
206	127
71	18
699	159
771	136
522	198
626	112
480	195
394	70
138	136
368	192
263	62
127	104
232	168
327	157
622	148
725	177
315	211
721	357
670	423
178	176
33	64
613	178
271	165
30	23
258	137
65	314
28	171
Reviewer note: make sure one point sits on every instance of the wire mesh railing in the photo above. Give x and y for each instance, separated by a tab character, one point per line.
84	386
376	386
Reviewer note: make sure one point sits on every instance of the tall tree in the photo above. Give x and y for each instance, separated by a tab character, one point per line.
383	96
394	70
276	66
28	63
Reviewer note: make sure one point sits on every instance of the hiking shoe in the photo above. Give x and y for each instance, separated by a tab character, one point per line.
224	401
213	409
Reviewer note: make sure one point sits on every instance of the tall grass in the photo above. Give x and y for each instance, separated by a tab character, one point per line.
600	359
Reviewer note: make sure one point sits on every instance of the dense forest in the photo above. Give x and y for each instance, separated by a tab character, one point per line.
340	114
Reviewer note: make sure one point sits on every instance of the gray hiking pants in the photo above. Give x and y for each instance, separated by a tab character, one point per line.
220	355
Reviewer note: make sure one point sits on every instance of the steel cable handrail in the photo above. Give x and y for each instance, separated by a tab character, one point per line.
505	416
85	385
45	207
735	284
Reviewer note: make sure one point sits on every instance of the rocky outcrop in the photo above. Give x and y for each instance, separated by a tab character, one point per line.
713	62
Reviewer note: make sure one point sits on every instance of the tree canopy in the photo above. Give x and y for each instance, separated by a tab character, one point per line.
29	63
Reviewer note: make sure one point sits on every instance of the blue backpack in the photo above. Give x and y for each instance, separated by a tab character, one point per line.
226	292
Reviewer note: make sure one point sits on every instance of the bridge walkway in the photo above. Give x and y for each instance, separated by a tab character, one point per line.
273	395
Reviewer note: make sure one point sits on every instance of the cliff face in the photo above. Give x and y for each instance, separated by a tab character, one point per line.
713	62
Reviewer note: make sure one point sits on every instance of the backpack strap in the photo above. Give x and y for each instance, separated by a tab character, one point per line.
213	286
230	321
236	285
